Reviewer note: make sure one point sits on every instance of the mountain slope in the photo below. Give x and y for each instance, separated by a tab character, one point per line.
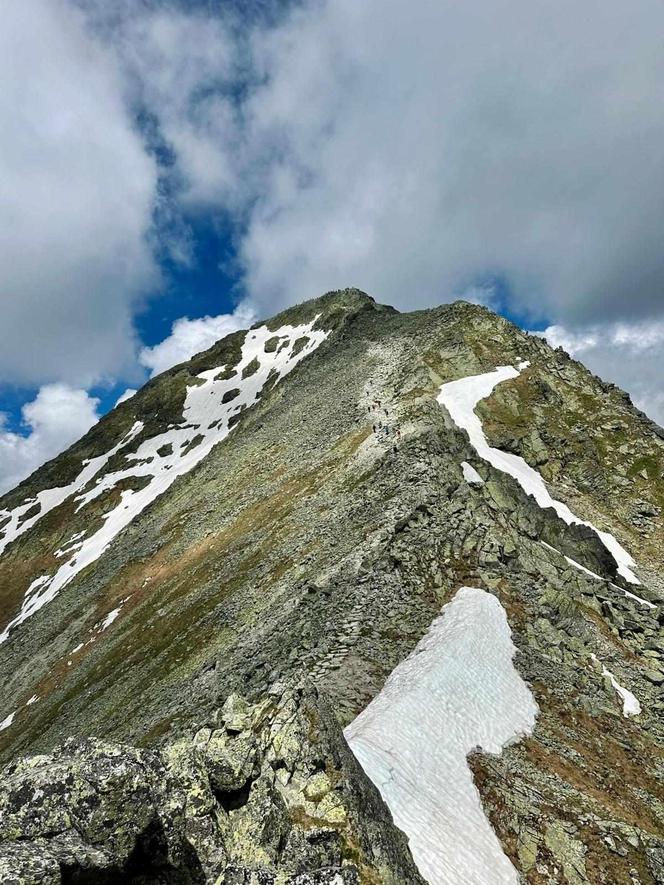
206	548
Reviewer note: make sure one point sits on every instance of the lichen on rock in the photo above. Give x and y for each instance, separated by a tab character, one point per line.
256	795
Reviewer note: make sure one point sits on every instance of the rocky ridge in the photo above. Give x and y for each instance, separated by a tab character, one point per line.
308	543
263	794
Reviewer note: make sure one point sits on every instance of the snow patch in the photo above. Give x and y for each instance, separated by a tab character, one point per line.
457	691
110	617
470	474
7	721
631	706
633	596
205	415
49	499
460	399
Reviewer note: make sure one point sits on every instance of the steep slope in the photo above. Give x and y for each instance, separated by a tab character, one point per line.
300	502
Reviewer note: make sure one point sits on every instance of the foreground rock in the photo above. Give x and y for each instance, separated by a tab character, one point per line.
265	793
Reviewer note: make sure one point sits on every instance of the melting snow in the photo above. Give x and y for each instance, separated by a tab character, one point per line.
458	690
639	599
460	398
74	543
7	721
205	416
631	706
470	474
110	617
49	499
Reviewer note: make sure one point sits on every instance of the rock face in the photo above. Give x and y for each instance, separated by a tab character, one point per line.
317	540
263	793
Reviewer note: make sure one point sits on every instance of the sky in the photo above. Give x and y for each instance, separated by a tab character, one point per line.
171	171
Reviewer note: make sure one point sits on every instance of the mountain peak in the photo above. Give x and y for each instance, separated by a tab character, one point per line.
448	529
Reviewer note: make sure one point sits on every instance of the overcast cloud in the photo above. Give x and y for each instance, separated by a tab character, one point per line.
414	150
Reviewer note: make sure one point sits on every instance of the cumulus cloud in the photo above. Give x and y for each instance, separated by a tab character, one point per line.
56	418
629	354
76	200
189	337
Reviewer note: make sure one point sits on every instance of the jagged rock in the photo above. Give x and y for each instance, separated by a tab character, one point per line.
209	808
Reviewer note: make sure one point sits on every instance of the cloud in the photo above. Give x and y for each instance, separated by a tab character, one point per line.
56	418
418	151
76	200
189	337
420	148
182	66
629	354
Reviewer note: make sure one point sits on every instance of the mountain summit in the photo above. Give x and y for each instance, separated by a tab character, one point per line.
355	596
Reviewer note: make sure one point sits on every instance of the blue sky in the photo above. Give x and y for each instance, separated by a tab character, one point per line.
205	286
165	162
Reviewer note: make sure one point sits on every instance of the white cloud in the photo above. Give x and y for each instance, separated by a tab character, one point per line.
56	418
411	149
417	151
630	355
189	337
76	198
183	66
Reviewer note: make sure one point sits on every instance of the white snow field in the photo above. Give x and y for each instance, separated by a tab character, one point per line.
460	399
458	690
205	417
631	705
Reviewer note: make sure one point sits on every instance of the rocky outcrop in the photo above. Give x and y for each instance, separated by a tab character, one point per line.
264	794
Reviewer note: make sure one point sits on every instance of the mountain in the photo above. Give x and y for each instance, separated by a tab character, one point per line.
428	529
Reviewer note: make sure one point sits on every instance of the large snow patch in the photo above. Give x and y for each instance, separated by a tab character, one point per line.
457	691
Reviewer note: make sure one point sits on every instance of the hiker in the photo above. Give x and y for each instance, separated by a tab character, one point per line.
374	428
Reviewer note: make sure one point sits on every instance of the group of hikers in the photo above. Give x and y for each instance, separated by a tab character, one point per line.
382	430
